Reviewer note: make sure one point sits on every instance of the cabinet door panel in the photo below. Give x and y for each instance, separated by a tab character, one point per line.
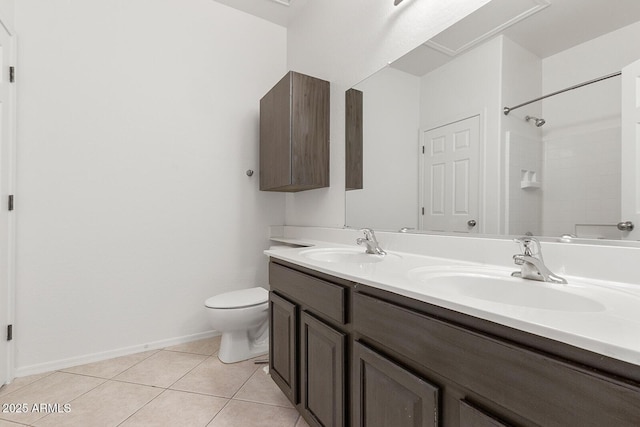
275	136
472	417
309	132
385	394
322	359
282	345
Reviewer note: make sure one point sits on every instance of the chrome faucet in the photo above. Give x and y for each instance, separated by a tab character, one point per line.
531	262
373	247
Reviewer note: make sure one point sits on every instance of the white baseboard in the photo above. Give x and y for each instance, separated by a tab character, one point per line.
97	357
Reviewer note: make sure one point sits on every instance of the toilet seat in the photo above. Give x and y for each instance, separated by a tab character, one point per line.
238	299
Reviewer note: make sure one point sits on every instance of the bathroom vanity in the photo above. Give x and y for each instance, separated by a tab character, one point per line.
347	353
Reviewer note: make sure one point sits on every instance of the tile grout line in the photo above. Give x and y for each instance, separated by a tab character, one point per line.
169	387
189	371
75	398
231	399
260	367
143	406
135	364
218	413
46	374
104	381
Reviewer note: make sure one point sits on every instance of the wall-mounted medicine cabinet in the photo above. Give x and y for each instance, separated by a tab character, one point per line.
353	139
294	134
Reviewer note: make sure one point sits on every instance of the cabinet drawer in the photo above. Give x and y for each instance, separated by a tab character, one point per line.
542	389
325	298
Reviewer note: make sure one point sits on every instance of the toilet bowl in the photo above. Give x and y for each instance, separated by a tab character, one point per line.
242	317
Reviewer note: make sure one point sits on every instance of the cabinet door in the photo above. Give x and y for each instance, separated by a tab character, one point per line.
322	360
385	394
472	417
282	345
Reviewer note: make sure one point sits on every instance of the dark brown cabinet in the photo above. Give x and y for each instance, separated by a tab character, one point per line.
362	356
309	341
474	417
294	134
517	384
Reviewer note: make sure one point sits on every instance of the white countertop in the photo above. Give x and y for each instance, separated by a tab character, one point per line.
612	330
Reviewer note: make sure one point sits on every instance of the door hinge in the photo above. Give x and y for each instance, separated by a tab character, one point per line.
9	332
12	74
423	149
10	202
423	211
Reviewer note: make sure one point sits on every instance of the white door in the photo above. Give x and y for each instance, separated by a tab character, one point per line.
631	149
6	184
449	184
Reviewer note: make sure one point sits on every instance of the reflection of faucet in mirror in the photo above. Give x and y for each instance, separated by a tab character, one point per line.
531	262
372	243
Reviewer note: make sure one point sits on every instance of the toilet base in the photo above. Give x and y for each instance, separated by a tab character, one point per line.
235	346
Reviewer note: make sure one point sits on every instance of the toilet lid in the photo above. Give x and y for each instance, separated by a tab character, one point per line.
238	299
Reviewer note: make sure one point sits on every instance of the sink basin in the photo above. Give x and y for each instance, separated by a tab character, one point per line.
344	255
498	286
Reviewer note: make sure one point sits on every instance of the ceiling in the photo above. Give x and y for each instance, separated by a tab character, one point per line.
544	27
277	11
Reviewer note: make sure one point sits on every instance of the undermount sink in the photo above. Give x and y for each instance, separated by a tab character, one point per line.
344	255
498	286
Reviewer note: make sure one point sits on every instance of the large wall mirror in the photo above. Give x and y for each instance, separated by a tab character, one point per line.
441	155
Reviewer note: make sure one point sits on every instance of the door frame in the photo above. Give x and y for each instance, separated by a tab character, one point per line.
7	372
481	153
630	177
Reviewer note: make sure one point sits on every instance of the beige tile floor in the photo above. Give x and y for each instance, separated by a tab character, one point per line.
184	385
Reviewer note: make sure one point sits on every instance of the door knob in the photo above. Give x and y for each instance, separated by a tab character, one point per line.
625	226
472	223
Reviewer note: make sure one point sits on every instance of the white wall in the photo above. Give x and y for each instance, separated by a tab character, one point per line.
603	55
582	185
344	42
522	140
136	123
6	12
582	135
391	104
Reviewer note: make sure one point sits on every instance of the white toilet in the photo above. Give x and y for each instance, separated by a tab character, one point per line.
242	317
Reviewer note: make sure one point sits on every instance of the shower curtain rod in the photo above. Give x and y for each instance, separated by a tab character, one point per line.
507	110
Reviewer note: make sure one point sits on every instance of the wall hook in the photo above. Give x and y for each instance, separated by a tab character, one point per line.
249	172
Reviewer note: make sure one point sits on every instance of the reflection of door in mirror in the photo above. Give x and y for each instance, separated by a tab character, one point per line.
449	183
630	149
